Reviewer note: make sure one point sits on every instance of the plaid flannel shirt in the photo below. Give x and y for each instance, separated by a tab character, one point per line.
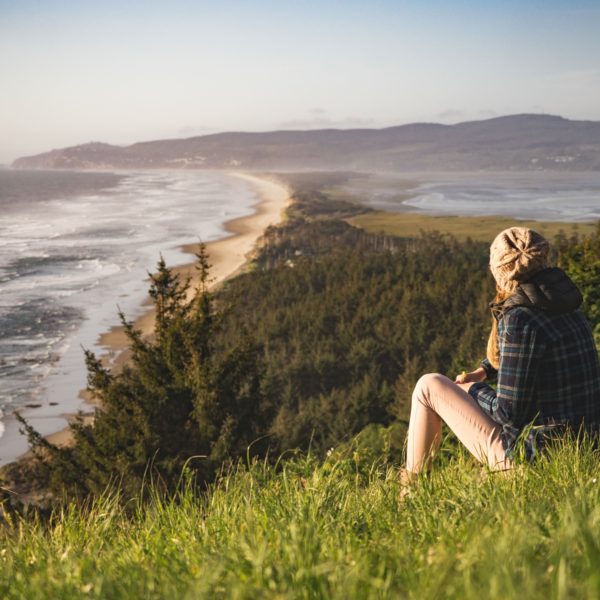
549	373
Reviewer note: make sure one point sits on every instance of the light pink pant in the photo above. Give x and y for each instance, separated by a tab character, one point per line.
436	398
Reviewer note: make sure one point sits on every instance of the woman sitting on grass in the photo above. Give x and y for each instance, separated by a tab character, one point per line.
540	351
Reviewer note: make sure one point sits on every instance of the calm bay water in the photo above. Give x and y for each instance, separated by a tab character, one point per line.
571	197
73	246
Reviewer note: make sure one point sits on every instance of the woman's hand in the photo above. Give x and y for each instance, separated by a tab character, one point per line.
472	377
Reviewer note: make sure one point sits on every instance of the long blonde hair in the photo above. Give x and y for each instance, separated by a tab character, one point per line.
493	348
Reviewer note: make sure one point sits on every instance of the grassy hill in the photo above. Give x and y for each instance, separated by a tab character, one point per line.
340	321
331	529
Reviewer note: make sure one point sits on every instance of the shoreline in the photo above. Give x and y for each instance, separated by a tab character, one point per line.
228	256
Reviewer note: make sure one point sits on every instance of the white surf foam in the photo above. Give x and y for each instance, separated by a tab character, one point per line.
93	252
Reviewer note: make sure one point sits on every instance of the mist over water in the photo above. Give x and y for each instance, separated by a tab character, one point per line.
73	246
571	197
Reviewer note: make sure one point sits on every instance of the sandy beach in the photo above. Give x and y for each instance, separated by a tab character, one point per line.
228	256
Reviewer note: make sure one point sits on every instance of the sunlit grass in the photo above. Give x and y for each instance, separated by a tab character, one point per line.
477	228
332	529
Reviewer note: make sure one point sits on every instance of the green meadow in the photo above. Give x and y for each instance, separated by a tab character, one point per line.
482	229
331	528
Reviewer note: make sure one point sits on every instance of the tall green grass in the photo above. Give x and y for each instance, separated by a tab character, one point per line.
328	529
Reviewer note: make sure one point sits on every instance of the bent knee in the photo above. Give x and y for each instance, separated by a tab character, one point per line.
429	381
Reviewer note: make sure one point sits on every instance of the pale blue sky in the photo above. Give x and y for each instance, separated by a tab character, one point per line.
124	71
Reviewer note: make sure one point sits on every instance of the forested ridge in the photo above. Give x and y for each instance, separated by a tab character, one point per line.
326	334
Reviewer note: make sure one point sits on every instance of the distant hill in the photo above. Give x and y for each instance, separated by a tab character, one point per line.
518	142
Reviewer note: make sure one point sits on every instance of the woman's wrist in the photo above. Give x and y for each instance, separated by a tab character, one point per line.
476	376
480	373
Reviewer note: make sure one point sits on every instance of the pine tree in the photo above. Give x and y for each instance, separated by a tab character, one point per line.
581	260
181	395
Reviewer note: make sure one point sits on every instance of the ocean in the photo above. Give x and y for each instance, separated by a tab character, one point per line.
75	247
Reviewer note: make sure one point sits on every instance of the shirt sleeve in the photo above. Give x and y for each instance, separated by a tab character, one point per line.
521	350
485	396
491	374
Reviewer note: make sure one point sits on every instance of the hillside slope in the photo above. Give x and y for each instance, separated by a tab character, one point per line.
331	529
518	142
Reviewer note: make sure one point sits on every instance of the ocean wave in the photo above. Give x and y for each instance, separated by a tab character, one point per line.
67	262
2	428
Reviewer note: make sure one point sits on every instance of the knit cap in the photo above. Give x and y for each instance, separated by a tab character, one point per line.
517	254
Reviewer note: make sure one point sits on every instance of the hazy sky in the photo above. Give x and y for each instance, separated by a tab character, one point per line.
123	71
